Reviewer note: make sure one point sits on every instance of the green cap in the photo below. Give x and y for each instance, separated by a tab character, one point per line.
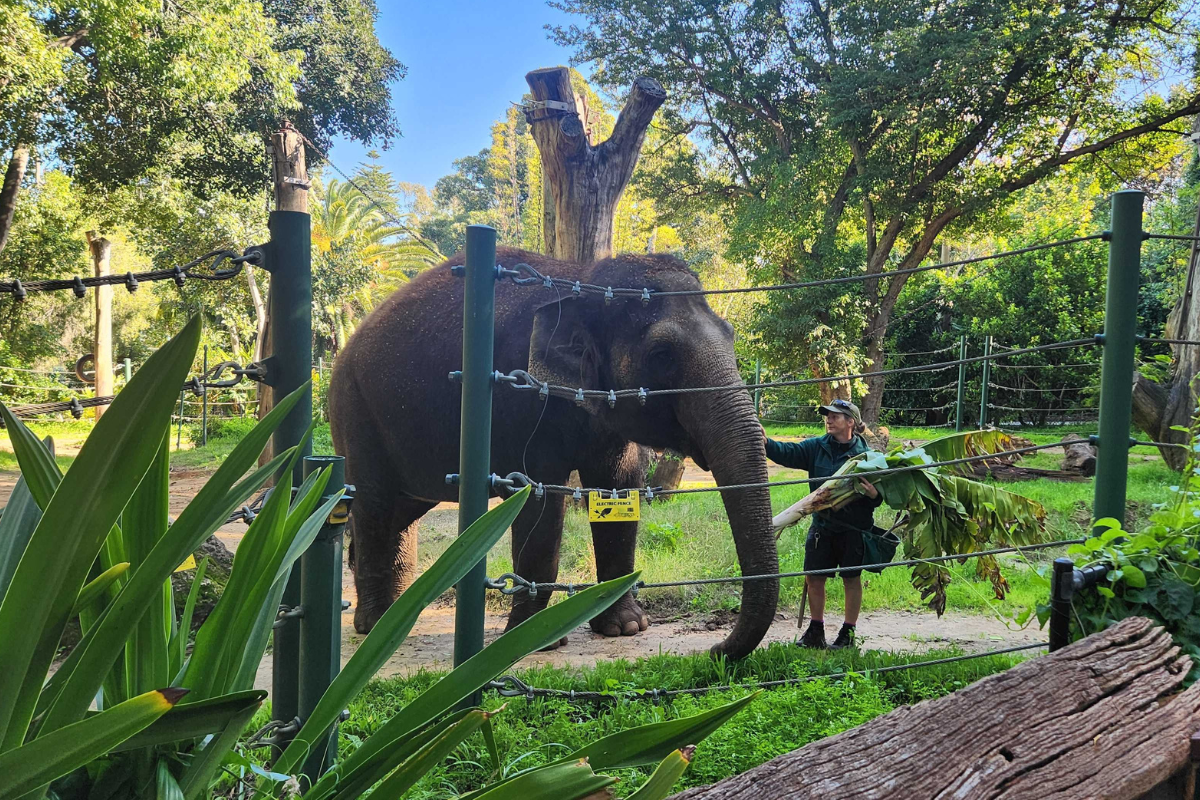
841	407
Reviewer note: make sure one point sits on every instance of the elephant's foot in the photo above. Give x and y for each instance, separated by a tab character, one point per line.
366	614
623	618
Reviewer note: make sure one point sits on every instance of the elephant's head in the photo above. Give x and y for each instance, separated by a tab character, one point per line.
670	343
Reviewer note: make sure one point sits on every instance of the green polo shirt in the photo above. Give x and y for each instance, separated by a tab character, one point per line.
821	457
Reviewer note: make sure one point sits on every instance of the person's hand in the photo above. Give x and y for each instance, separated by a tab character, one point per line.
763	431
868	488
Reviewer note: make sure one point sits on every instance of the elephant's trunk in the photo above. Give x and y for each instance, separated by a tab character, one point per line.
725	427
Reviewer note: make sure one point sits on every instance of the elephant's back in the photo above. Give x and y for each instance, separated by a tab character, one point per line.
390	382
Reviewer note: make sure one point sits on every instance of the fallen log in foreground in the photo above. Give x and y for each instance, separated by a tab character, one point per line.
1104	717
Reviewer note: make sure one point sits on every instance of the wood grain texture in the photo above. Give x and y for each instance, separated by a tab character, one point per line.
1103	717
583	180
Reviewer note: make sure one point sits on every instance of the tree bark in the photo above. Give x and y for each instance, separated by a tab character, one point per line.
1157	408
585	181
1103	717
102	352
13	176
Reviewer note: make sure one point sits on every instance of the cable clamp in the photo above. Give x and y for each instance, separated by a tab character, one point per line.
642	396
577	494
19	292
612	398
76	408
178	275
455	376
452	479
579	397
1098	339
131	283
286	613
608	296
77	287
645	296
577	289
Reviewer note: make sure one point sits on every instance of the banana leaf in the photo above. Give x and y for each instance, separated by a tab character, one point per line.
941	513
668	773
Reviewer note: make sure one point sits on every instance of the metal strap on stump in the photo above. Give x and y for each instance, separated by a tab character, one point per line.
475	434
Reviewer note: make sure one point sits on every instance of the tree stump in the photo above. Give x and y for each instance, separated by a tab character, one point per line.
584	181
668	469
1103	717
1078	455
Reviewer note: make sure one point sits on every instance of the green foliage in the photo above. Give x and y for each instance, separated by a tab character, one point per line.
843	137
1153	569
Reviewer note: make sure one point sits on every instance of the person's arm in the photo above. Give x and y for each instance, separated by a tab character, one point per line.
794	455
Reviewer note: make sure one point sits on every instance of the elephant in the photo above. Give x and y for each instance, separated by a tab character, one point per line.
395	416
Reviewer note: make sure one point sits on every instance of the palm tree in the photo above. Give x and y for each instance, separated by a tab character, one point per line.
371	252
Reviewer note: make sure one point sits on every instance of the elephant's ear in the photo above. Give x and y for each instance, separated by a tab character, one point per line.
562	347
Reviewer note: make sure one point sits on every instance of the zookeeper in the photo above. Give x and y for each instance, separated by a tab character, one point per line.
835	538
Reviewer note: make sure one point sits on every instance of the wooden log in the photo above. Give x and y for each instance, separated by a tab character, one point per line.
102	350
1078	455
1103	717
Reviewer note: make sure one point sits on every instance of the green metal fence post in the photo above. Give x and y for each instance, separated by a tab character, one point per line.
1120	330
983	387
962	383
474	464
757	392
128	370
321	598
288	367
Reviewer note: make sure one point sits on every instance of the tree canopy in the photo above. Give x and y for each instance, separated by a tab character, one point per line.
849	136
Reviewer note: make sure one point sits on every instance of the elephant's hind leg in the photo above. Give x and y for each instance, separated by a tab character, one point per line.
536	539
384	537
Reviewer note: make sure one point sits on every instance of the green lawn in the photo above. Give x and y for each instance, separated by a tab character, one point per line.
688	536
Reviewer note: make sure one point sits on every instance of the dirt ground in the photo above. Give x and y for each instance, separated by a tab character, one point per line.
430	645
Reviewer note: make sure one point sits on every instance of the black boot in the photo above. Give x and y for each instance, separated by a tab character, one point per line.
845	638
814	637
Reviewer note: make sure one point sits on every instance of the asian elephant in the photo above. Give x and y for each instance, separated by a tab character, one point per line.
395	417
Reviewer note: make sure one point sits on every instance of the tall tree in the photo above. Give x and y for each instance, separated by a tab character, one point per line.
115	90
848	136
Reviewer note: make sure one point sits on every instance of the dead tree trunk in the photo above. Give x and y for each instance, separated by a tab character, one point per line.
291	194
102	351
1157	407
17	164
583	180
1103	717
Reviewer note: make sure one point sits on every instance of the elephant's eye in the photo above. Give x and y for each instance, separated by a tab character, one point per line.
660	358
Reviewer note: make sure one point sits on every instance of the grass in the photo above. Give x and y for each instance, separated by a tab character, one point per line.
532	732
688	537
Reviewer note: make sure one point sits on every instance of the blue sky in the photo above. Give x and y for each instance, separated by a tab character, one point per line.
466	62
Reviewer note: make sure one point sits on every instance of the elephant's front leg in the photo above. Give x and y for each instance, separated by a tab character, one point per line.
615	543
536	540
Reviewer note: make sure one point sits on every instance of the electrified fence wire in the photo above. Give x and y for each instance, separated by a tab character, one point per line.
1035	389
533	588
523	380
131	280
512	686
534	277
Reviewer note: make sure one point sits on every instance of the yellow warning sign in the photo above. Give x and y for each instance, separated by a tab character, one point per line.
188	563
613	509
